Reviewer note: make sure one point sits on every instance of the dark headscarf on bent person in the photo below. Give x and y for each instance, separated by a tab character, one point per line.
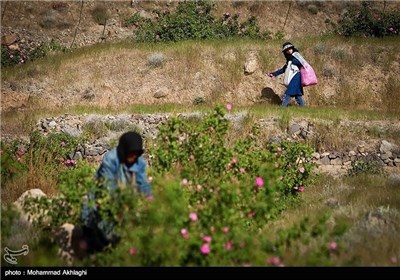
129	142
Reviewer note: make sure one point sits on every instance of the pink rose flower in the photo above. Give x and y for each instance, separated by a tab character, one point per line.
333	246
207	238
193	216
185	233
259	182
205	249
274	261
132	251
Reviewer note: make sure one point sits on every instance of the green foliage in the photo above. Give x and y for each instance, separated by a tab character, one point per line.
279	35
212	200
12	57
193	20
8	216
45	48
296	163
22	55
365	22
45	153
12	161
365	167
166	233
202	157
199	100
75	186
54	148
310	240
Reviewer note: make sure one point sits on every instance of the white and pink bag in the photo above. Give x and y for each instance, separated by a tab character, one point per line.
308	76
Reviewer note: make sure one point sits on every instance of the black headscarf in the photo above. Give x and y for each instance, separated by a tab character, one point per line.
129	142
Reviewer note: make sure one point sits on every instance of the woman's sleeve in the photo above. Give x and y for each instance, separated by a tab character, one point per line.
280	71
141	180
107	172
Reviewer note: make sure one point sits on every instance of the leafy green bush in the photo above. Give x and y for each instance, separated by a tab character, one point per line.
36	163
365	22
365	167
12	57
8	217
200	153
54	148
193	20
211	203
75	184
45	48
12	161
295	160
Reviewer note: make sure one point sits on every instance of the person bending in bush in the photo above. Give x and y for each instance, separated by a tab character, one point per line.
121	166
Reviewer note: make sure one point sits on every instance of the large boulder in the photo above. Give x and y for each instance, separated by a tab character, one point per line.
20	202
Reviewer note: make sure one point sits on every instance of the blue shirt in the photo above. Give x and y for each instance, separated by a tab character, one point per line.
118	174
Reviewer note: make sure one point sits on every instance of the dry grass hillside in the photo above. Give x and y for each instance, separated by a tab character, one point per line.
125	74
116	73
64	20
351	74
113	75
33	20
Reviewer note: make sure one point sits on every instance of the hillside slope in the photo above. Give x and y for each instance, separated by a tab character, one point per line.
352	73
75	21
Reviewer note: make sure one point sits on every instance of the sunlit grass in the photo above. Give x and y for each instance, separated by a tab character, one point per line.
367	241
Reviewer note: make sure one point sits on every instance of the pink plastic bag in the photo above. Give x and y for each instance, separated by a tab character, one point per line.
308	77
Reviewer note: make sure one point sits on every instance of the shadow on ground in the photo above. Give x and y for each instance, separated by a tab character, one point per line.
269	95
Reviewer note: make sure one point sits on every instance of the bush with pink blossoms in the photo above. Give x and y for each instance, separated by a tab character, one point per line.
219	223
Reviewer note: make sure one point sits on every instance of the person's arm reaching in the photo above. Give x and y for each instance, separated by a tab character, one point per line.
278	72
141	180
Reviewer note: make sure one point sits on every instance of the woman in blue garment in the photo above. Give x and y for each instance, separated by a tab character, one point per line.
122	166
292	76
